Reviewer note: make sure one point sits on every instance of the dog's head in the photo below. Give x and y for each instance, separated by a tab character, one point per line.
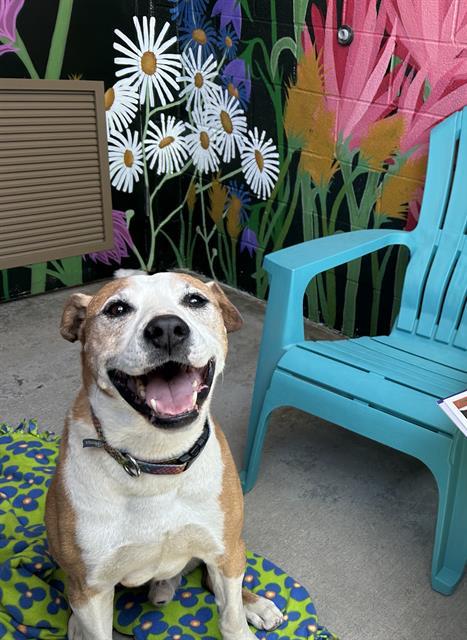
155	342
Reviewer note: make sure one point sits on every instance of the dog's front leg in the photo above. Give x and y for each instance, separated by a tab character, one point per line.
228	592
92	614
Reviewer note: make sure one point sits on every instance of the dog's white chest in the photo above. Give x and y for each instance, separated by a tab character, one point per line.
153	526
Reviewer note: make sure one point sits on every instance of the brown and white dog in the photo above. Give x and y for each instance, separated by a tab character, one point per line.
145	484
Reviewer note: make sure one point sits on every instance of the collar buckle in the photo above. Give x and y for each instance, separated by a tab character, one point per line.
131	466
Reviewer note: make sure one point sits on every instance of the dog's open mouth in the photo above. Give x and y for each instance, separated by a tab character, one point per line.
169	395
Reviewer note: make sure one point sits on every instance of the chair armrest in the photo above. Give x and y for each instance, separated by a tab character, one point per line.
313	257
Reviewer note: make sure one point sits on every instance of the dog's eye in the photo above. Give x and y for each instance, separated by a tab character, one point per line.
117	309
195	301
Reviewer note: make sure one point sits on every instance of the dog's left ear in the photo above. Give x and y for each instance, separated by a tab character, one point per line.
74	315
232	318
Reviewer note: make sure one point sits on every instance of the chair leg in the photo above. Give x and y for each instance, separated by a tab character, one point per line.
256	435
450	549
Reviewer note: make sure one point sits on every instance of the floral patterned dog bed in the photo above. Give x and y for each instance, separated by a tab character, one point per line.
32	592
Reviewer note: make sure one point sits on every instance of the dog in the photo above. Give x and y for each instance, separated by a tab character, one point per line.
145	485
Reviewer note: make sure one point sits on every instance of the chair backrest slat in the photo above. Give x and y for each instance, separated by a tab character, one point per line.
461	336
435	284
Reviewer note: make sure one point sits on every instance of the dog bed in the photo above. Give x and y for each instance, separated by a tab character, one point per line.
32	592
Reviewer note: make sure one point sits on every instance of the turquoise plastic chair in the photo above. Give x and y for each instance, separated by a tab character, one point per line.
385	387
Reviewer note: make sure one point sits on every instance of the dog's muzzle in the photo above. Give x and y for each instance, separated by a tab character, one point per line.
169	395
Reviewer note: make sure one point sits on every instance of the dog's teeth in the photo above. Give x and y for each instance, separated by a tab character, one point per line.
154	404
194	398
194	384
140	389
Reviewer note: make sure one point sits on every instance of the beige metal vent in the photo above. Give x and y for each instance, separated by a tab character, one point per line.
55	198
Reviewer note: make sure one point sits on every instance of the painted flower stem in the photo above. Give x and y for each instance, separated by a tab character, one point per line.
59	39
233	245
5	285
280	239
139	257
377	274
178	256
204	233
205	187
220	255
309	220
359	219
23	55
401	266
164	108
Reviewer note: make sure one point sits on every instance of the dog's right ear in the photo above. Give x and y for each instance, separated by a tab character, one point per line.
73	316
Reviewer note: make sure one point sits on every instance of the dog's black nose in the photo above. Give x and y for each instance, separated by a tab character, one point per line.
167	332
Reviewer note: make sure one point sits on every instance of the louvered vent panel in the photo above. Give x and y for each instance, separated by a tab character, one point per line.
54	179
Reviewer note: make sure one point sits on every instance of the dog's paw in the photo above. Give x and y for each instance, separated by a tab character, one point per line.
74	632
263	614
161	592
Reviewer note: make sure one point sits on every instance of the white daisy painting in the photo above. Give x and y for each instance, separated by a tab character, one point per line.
226	116
202	143
125	159
198	76
121	106
260	163
147	65
165	145
191	127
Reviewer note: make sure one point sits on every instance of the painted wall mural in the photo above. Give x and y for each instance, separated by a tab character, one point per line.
239	127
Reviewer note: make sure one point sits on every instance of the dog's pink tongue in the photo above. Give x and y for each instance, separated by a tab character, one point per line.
173	396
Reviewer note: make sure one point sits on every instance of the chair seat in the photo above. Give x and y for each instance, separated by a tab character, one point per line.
380	373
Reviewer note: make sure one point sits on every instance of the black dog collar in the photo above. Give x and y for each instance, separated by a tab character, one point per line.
134	467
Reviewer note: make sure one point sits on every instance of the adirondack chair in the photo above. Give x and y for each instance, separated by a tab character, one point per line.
385	387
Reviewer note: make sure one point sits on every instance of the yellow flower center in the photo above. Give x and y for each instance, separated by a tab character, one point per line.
232	89
165	142
204	139
128	605
270	594
199	36
226	122
199	80
128	158
27	500
22	629
109	98
228	41
259	160
146	625
28	594
149	63
195	623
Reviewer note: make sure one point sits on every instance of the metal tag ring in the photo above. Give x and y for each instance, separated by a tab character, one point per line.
131	466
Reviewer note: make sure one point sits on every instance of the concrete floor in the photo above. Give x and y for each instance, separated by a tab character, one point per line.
352	520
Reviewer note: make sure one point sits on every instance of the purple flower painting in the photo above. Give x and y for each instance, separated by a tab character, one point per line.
122	242
9	10
229	11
